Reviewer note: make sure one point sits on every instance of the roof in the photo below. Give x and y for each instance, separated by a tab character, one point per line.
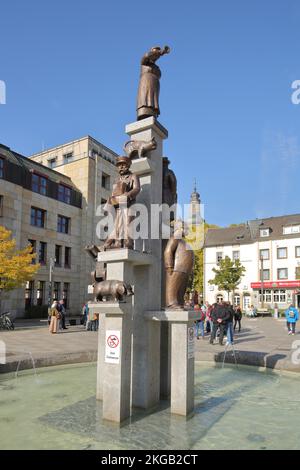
249	232
32	165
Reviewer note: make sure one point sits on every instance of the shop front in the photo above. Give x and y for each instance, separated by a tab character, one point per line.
282	293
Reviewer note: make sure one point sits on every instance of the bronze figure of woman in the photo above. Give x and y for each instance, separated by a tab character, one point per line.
148	92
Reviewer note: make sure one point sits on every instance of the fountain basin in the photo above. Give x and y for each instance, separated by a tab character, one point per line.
235	408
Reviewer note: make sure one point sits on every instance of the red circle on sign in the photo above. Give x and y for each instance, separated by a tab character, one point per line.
112	341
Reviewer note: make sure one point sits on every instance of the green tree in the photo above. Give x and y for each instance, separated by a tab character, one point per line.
228	275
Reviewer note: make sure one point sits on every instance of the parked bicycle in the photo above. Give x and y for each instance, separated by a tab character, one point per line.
5	322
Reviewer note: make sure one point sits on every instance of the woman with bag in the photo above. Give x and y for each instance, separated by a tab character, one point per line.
55	317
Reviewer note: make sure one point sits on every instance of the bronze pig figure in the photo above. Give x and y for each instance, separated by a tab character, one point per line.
112	289
139	148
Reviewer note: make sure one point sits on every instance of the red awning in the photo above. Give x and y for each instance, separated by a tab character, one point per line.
275	284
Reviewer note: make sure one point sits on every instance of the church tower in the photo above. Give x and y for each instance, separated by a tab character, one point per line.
195	217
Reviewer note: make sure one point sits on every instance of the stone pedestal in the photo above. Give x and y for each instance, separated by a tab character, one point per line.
182	356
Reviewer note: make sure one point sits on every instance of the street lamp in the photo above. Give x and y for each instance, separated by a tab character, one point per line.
51	267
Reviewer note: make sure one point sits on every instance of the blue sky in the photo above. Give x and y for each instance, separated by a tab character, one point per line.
71	68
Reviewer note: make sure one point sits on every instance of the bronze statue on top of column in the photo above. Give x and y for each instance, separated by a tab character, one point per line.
148	92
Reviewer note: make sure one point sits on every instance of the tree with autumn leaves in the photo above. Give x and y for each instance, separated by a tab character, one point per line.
196	241
16	267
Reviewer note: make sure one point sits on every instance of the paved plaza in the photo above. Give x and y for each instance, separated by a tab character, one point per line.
262	342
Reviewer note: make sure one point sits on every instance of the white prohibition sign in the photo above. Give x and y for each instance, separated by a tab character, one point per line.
113	341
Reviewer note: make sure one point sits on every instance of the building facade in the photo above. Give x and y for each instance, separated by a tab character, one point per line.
50	200
269	249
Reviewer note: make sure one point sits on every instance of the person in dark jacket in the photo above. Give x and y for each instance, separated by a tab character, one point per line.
237	317
220	316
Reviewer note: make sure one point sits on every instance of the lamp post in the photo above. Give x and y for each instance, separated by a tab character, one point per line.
51	266
262	281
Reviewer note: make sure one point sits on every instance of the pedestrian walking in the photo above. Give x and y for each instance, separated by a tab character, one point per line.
292	316
237	318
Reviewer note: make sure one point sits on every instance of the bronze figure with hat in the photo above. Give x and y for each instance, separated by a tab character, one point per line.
125	189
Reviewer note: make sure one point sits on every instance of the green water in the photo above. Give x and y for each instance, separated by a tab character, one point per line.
235	409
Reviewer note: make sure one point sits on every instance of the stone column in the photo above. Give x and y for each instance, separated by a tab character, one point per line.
113	378
182	369
146	336
181	323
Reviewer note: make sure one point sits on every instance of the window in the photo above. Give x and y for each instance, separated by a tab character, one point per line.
63	224
64	193
281	253
39	184
219	256
267	295
57	255
40	293
67	257
279	296
297	273
33	246
235	255
1	168
236	300
37	217
52	162
105	181
291	229
29	293
266	274
67	157
264	232
282	273
66	294
264	254
43	253
297	251
1	206
56	293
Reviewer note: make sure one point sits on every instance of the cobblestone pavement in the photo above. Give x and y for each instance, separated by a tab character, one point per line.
262	342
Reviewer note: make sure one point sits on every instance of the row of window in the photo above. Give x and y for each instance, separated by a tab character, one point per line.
282	253
288	230
38	219
269	296
282	273
39	185
67	157
42	296
60	260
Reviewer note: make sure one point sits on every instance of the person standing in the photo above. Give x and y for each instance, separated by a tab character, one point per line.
237	317
220	315
200	322
62	311
55	317
229	325
292	316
